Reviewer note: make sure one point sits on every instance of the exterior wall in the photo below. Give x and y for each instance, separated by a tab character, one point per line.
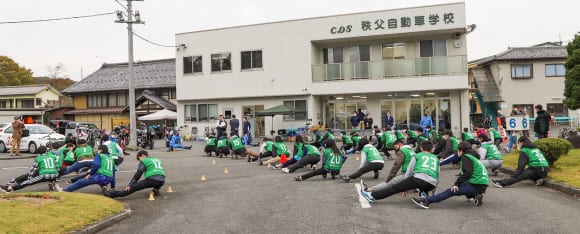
106	121
80	101
48	94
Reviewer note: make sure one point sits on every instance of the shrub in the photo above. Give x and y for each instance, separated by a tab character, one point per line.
575	140
553	148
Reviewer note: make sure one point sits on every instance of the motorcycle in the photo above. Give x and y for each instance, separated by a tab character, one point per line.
146	137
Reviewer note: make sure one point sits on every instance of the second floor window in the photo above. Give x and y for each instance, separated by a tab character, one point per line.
431	48
27	103
192	64
394	51
553	70
522	71
221	62
332	55
359	53
251	59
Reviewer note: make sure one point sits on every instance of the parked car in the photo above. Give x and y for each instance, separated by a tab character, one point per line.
40	135
59	125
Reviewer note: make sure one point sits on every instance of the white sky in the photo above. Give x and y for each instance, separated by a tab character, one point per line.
87	43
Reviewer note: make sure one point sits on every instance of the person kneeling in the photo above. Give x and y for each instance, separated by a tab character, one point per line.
472	181
154	177
102	172
332	160
43	169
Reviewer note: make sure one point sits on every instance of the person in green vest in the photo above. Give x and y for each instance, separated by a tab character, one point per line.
370	160
279	151
466	136
422	173
387	142
433	134
420	138
472	182
332	160
489	154
347	143
411	136
449	154
42	169
222	146
151	168
102	173
533	158
114	149
494	135
84	156
297	153
318	140
312	157
236	146
404	154
398	134
355	142
265	150
69	155
210	145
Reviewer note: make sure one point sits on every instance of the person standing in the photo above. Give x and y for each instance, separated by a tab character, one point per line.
17	127
354	120
235	125
246	128
542	124
221	125
368	122
388	121
426	120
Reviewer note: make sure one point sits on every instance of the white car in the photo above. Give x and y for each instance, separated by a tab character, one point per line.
39	136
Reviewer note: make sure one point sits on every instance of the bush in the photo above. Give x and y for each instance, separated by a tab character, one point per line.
553	148
575	140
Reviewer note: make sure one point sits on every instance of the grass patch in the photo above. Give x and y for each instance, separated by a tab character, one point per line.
566	170
53	212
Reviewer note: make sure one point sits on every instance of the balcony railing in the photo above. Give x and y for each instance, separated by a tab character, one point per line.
383	69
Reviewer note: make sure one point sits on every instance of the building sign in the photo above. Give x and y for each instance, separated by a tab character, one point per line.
394	23
517	123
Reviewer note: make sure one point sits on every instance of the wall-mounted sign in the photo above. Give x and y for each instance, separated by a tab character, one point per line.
393	23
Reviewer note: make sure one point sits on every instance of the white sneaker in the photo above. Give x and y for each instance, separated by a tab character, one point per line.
285	170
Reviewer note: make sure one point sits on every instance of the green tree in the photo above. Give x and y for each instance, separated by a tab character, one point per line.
12	74
58	83
572	82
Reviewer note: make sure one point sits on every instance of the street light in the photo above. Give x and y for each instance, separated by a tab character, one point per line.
130	22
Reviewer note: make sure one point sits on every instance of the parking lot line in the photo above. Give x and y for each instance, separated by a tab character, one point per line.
363	202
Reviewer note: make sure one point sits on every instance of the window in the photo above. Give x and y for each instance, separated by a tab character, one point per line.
113	99
27	103
394	51
431	48
251	59
332	55
200	112
522	71
553	70
106	100
525	109
192	65
173	94
298	105
5	104
221	62
557	109
359	53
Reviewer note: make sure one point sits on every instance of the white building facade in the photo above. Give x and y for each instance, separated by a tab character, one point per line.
405	61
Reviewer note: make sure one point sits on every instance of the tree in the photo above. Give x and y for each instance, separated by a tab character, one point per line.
58	83
572	82
11	74
56	70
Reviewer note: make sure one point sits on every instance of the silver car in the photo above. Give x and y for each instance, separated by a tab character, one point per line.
40	135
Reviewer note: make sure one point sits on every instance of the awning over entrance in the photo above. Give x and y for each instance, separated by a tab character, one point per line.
487	86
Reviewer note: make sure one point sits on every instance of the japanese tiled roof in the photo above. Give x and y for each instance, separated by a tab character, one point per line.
148	74
24	90
543	52
112	110
152	96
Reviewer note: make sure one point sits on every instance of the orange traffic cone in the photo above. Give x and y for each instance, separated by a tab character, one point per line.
213	162
357	158
226	171
203	178
151	197
169	190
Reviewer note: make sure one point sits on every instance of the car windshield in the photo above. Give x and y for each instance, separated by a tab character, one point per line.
3	125
39	129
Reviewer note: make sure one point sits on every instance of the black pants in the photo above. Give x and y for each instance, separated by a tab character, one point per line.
403	186
411	140
308	159
223	150
140	185
209	149
319	171
241	152
266	154
384	148
497	141
374	166
534	173
440	145
346	147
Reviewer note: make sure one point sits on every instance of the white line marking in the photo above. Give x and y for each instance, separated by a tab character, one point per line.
11	168
363	202
233	164
126	171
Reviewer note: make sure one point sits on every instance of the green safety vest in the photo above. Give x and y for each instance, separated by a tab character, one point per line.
372	153
467	136
281	149
58	157
298	149
492	152
211	141
329	135
312	150
409	154
112	146
433	134
411	133
535	157
399	135
70	156
427	163
85	151
236	143
346	140
333	161
153	166
107	165
389	139
269	145
222	142
422	138
495	133
479	175
46	164
454	142
356	139
318	138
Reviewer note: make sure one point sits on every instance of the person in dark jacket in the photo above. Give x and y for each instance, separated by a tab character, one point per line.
354	121
235	125
531	156
542	124
388	121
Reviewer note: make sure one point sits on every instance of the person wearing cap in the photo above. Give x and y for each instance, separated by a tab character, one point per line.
154	173
17	127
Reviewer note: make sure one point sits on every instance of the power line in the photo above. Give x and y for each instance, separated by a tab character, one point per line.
55	19
142	38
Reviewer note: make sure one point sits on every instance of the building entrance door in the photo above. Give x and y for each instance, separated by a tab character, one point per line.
258	127
339	111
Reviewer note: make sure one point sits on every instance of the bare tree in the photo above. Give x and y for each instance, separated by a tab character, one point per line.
56	70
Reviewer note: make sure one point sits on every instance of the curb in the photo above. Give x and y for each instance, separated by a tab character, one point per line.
19	157
106	222
568	189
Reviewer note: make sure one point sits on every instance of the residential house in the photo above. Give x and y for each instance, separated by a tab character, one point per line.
28	101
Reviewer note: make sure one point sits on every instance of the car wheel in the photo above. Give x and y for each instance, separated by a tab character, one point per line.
32	148
2	147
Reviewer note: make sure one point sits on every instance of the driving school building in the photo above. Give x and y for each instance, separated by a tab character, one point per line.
407	61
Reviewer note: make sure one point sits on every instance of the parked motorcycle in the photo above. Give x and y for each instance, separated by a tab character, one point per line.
146	137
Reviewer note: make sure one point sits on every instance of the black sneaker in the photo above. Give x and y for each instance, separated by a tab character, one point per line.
495	172
333	176
6	188
260	163
345	178
324	176
497	183
478	199
540	182
156	192
421	202
50	186
376	175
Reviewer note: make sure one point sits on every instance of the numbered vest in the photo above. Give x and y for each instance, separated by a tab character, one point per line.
409	154
57	156
69	157
46	164
454	143
333	161
312	150
399	135
356	139
427	163
153	166
236	143
495	133
329	135
467	136
211	141
535	157
269	145
346	140
479	175
372	153
492	152
434	135
112	146
222	143
281	148
389	139
298	149
411	133
107	165
85	152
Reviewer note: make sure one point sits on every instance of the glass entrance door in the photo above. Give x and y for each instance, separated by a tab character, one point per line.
340	111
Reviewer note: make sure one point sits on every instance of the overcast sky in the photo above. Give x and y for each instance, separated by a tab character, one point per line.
84	44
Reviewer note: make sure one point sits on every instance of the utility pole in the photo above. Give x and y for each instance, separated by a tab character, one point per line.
130	22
